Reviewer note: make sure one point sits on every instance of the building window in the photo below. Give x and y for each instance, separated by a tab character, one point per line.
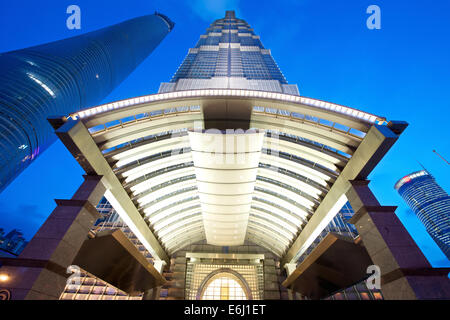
377	296
224	287
364	296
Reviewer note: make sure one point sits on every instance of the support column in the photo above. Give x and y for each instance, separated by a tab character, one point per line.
39	273
271	280
405	272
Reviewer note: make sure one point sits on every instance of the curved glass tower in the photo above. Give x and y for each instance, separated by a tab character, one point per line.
63	77
430	203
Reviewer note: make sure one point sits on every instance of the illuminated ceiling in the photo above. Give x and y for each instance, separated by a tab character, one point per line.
157	149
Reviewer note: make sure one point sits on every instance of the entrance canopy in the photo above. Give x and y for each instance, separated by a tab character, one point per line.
152	151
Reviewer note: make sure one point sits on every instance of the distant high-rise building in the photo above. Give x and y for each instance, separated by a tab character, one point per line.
62	77
430	203
13	242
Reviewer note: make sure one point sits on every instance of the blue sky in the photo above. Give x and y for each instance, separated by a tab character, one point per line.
400	72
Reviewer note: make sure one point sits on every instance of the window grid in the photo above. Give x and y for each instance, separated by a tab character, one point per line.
197	272
224	288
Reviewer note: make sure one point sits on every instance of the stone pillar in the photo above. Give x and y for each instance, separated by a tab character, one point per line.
40	272
271	284
405	272
175	274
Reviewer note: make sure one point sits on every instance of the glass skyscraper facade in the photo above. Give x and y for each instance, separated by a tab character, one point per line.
63	77
430	203
229	55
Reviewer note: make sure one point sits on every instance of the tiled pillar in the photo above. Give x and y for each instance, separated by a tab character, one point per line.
175	274
271	285
405	272
40	271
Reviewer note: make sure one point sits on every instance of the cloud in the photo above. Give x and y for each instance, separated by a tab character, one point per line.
209	10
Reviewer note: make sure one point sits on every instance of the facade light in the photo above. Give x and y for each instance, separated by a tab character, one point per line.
4	277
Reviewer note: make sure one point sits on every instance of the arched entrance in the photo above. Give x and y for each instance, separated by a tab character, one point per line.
224	284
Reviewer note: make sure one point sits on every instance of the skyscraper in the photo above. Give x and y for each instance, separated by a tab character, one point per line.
229	55
430	203
62	77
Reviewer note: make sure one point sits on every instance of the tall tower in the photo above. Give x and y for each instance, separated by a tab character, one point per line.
63	77
229	56
430	203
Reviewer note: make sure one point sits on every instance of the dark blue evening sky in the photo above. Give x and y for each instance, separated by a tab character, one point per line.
401	72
